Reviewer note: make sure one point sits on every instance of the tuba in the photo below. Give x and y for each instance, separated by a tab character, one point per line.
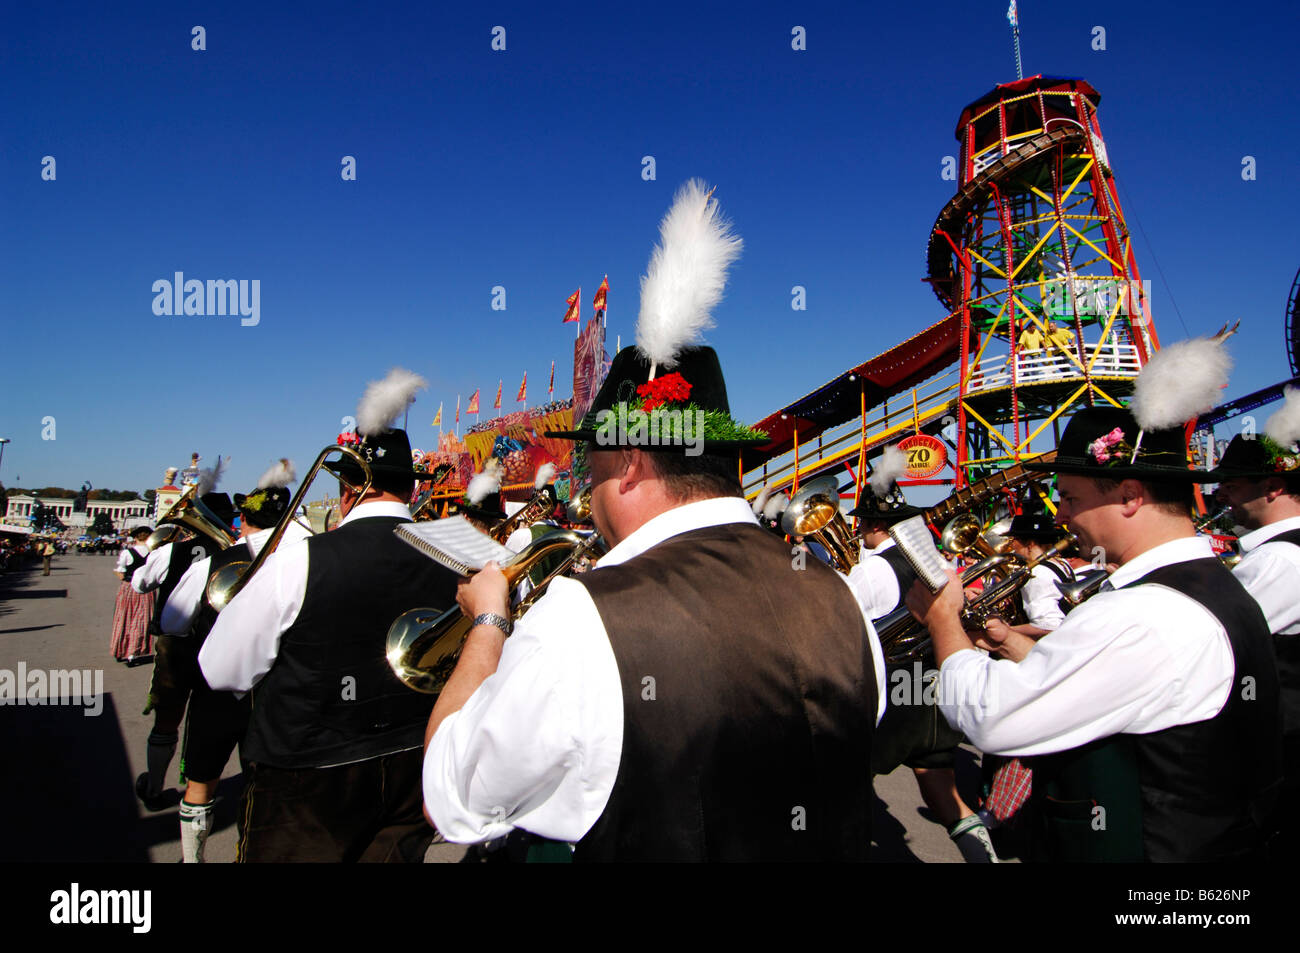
227	582
423	645
189	512
815	512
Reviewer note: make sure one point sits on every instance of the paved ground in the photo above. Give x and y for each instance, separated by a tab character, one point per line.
68	788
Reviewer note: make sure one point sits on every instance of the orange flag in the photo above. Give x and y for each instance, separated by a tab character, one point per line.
523	390
551	389
572	313
497	405
599	303
473	404
458	408
437	419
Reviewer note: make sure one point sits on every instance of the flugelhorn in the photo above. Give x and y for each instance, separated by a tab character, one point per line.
815	512
423	645
227	581
189	512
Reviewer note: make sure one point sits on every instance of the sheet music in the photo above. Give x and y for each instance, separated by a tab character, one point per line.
455	543
916	543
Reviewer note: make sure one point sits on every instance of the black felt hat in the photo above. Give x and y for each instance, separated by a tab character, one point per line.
1255	459
221	507
264	507
388	454
619	415
1035	524
1099	442
891	508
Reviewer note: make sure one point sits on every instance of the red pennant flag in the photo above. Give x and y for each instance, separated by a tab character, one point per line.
551	389
572	313
458	408
473	404
599	303
497	405
523	390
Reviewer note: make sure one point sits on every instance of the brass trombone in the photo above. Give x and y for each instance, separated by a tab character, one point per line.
227	582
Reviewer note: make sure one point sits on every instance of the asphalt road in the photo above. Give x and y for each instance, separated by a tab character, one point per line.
68	792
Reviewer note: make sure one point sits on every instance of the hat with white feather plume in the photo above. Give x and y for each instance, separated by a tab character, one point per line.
385	447
1147	440
882	498
1275	452
266	505
659	393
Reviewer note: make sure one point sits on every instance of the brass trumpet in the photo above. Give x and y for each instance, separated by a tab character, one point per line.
815	512
423	645
227	582
538	508
189	512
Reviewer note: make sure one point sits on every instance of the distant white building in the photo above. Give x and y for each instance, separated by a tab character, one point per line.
124	514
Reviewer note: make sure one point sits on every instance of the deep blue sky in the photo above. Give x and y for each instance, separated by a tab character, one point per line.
523	169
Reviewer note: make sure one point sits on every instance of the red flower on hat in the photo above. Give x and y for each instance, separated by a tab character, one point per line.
349	438
671	388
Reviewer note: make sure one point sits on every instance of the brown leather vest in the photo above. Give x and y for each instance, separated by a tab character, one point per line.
749	703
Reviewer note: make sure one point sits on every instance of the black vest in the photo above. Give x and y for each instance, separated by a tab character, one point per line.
1288	659
749	703
136	562
206	617
331	698
1190	793
903	572
183	556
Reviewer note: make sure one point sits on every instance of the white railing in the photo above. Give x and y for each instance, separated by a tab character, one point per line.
1037	367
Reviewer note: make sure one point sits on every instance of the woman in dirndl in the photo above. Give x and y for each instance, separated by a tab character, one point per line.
131	613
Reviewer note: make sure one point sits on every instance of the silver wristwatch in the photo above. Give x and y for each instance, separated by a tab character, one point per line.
491	618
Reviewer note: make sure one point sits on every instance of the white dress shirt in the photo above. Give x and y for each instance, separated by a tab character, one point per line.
183	604
243	645
1041	597
537	746
1132	660
1271	573
874	583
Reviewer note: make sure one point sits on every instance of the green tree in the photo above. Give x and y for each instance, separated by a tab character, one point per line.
103	526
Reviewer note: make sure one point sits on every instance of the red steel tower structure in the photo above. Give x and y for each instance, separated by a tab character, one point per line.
1033	258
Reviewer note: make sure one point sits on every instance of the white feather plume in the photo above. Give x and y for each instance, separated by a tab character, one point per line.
760	501
545	474
892	465
1284	424
1181	381
210	477
686	275
280	474
776	506
483	485
384	401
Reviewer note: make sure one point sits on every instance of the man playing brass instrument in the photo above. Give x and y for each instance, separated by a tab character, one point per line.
1151	714
694	697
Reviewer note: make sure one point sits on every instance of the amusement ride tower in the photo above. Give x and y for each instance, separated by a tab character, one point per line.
1034	260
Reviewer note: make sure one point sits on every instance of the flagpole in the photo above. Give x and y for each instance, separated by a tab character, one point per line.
1013	15
578	331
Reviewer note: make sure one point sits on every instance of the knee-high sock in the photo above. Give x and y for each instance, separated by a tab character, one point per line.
196	822
161	749
972	839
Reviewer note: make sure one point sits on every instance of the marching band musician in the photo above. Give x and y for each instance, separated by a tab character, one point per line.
911	733
175	669
1030	534
1260	479
333	743
216	721
684	700
1152	712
